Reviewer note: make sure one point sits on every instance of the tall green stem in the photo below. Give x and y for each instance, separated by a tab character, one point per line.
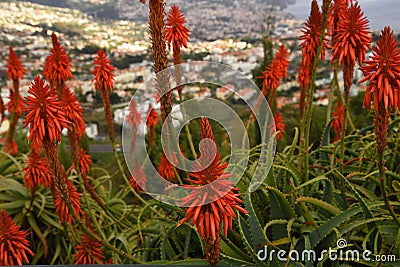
187	130
385	193
334	84
309	107
342	145
301	143
342	99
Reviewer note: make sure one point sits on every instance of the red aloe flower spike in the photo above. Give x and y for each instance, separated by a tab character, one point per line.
337	122
383	73
304	81
85	162
311	35
89	251
74	113
158	41
14	246
65	192
133	119
57	68
104	81
15	70
272	76
208	217
11	147
15	107
151	123
353	41
138	177
282	56
166	169
178	35
337	10
19	106
37	171
279	124
103	72
45	116
176	31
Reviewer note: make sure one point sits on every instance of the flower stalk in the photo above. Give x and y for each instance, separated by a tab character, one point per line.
311	89
15	72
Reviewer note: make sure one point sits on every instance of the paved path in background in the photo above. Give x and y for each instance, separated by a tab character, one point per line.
100	148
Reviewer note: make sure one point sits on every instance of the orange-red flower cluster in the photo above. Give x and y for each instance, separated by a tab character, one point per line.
15	70
20	104
103	72
279	124
282	56
45	116
67	190
57	68
383	73
84	161
37	171
176	31
89	251
208	217
353	37
14	246
166	169
11	147
73	111
104	81
138	176
337	10
134	117
311	35
276	70
273	75
151	122
337	122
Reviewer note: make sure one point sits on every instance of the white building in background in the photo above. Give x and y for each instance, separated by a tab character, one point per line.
225	91
246	94
119	115
4	126
91	130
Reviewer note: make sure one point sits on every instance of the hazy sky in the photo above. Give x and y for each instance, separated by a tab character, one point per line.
379	12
